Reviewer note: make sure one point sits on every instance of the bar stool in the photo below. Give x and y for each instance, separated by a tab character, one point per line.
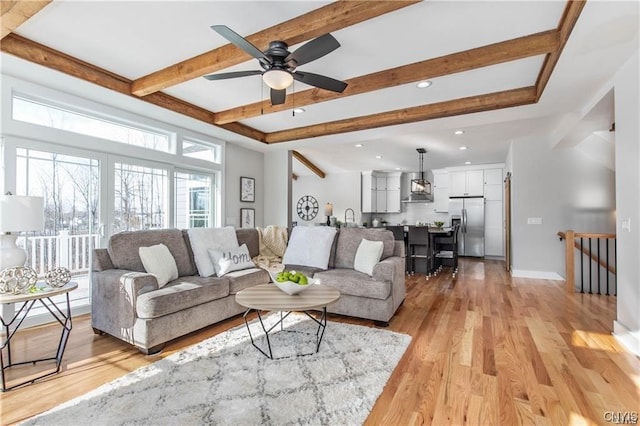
419	248
446	250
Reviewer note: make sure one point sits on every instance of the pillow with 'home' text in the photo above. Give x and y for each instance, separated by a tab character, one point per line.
231	260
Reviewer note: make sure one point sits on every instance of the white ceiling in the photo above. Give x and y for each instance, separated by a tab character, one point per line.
133	39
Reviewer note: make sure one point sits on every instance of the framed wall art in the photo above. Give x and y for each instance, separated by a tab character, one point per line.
247	218
247	189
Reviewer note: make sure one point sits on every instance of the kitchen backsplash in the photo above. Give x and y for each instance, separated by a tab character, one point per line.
412	213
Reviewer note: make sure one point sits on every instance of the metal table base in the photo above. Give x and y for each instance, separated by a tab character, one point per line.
322	325
59	315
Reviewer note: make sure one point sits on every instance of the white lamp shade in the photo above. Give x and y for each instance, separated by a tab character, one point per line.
21	213
328	209
277	79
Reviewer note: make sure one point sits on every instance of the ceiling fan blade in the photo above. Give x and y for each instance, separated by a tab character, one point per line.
226	75
241	42
278	96
320	81
313	50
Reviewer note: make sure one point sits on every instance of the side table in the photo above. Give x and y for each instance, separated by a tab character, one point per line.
27	301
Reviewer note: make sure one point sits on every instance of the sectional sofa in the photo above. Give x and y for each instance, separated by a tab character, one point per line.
128	303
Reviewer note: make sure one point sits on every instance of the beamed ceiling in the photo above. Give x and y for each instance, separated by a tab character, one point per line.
494	56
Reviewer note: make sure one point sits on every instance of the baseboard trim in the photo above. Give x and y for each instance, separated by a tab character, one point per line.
627	338
537	275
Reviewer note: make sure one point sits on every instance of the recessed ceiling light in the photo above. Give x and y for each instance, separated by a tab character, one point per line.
299	110
459	132
423	84
358	145
467	162
378	156
398	168
462	148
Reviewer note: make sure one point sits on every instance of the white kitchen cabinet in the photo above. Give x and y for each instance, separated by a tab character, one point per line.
441	191
380	192
493	177
466	183
368	192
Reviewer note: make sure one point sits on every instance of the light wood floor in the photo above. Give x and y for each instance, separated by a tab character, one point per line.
486	349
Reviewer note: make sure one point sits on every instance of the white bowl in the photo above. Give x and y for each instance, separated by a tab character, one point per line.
290	287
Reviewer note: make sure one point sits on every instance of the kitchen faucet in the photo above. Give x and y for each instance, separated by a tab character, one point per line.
353	215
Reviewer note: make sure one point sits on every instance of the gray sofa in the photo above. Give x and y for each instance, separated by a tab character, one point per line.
128	304
375	297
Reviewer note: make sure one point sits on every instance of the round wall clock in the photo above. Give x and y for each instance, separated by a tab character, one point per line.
307	207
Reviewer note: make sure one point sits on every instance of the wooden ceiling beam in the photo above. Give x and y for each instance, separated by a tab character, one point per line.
45	56
568	20
479	103
510	50
16	12
332	17
304	160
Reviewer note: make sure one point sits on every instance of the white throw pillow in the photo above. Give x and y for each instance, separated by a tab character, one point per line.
159	261
203	239
368	254
231	260
310	246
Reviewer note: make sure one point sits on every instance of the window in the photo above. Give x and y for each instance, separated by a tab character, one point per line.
141	198
41	114
193	207
200	150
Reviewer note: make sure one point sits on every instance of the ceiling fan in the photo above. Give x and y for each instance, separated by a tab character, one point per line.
280	66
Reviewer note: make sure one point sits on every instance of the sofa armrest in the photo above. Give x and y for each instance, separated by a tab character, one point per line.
399	249
384	270
114	293
391	270
101	260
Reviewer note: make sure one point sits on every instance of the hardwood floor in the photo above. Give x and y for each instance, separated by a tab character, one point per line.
486	349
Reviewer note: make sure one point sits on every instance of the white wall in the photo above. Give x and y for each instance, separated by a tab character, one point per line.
567	190
239	162
627	106
277	188
340	189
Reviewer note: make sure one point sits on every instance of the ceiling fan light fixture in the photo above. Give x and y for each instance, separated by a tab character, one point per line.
277	79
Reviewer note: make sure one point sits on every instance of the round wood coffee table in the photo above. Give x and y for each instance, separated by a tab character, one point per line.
268	297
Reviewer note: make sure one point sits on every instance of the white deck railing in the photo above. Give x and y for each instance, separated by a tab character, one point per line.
70	251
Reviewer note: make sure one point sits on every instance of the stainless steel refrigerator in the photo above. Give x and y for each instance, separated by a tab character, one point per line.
470	213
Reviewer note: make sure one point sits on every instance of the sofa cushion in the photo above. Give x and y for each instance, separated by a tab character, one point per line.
310	246
203	239
231	260
349	240
180	294
354	283
367	256
157	260
124	249
239	280
250	237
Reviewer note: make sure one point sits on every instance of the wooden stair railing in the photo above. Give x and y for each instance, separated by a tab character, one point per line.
576	240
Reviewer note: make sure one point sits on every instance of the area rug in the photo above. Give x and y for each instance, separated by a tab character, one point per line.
225	381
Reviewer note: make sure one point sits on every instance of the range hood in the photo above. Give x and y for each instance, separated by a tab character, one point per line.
419	186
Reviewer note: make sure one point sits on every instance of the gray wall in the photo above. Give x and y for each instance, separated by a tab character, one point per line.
242	162
627	106
277	188
567	190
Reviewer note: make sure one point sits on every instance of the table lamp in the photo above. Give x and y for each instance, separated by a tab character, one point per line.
328	211
18	213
